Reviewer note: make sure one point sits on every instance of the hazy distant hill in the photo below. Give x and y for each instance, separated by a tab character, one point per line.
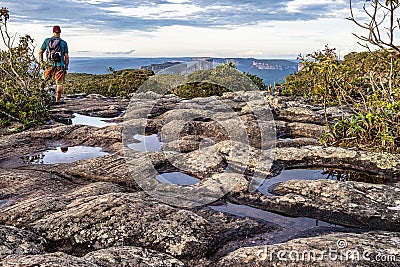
270	70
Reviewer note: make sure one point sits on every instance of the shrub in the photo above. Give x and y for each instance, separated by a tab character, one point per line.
118	83
21	98
214	82
367	83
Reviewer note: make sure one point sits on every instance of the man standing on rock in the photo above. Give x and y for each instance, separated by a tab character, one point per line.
57	60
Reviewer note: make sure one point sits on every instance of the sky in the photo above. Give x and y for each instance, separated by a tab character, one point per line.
174	28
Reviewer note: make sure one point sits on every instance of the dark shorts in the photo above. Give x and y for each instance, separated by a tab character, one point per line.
55	73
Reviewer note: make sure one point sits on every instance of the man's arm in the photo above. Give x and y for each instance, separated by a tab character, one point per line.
66	61
41	52
41	57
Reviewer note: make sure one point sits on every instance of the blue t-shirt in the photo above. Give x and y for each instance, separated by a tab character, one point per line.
64	50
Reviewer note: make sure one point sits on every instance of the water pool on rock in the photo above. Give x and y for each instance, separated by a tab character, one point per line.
265	186
290	225
64	155
147	143
92	121
177	178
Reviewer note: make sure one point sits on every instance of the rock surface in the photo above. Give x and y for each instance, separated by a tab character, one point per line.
339	249
14	241
131	257
353	204
112	211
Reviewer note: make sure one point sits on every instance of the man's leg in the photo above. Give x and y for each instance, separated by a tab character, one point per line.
59	92
59	77
45	77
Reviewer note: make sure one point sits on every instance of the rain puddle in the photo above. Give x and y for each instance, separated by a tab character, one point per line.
64	155
147	143
290	225
7	202
287	137
177	178
315	174
92	121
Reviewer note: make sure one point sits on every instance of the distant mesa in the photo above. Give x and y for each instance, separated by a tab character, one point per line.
262	65
160	67
202	64
270	70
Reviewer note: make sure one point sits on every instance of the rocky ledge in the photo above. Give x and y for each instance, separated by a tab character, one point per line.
217	181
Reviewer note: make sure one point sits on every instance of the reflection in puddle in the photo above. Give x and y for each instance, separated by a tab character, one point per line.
92	121
64	155
287	175
349	175
291	225
177	178
315	174
3	202
148	143
285	139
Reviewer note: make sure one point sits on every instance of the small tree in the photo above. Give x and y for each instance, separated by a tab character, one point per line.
21	98
382	19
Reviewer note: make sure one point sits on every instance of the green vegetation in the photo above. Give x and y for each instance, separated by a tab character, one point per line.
201	83
118	83
21	100
368	83
214	82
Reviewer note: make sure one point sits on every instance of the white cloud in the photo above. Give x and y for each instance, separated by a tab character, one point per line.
264	40
93	2
178	1
162	11
299	5
192	28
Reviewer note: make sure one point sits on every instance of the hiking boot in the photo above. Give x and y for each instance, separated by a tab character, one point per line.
61	102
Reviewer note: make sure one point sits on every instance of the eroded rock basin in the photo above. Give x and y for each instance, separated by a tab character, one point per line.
92	121
146	143
177	178
57	155
90	210
291	226
266	186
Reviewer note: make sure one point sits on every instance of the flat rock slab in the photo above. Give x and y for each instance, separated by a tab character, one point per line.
19	242
380	163
300	114
338	249
20	184
117	256
100	215
27	209
57	259
131	257
119	219
90	105
15	146
360	205
109	168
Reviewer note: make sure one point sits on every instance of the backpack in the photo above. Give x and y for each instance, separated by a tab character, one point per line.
54	50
